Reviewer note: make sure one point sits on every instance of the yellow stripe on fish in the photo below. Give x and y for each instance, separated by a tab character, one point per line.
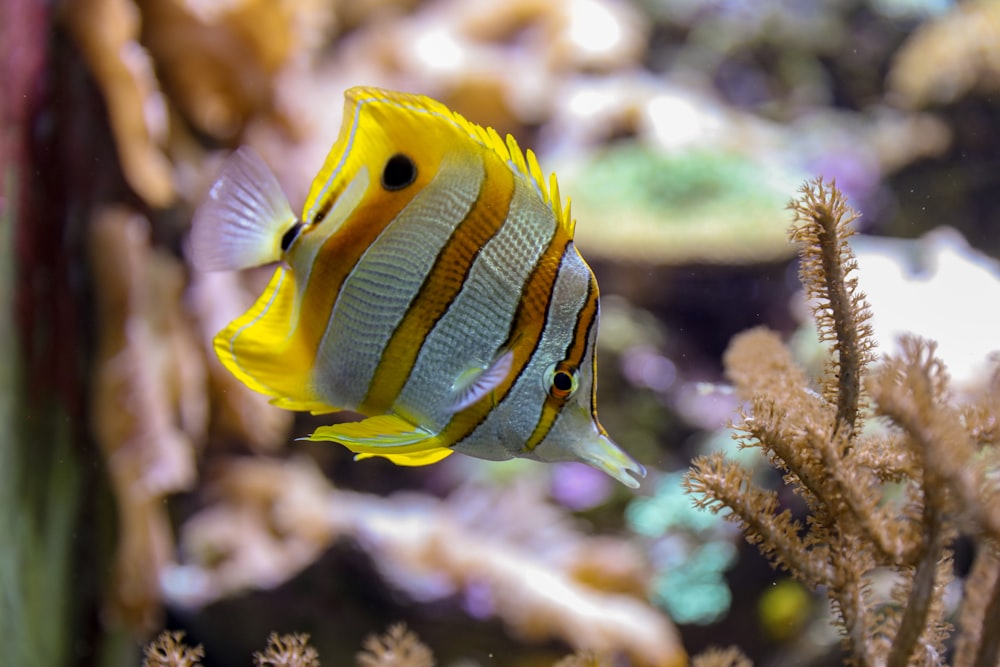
431	284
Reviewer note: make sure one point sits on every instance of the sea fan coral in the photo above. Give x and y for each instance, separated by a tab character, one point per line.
936	454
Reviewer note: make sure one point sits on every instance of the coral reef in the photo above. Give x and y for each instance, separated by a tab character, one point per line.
396	647
149	404
287	651
169	650
273	518
890	465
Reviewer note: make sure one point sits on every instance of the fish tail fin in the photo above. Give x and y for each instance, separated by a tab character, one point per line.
266	352
243	220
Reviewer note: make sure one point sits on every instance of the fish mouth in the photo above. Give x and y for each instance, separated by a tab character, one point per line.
602	453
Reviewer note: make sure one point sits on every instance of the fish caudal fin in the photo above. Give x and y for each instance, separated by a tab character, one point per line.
388	436
602	453
243	219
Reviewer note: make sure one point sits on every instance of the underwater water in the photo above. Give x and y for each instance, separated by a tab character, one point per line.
144	488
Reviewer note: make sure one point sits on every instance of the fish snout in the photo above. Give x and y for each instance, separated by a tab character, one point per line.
599	451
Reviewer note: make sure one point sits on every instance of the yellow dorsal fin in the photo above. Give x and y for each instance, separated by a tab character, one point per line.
261	349
523	163
389	436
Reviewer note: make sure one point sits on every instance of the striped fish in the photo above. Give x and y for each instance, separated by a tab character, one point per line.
431	284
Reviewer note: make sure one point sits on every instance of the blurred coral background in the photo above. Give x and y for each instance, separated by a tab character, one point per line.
142	487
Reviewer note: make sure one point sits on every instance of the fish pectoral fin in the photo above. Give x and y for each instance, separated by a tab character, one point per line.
389	436
475	383
243	219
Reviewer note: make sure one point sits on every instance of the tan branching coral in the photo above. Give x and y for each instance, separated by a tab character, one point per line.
935	454
398	647
287	651
716	657
169	650
828	272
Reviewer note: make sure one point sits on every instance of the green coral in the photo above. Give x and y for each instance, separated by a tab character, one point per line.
642	202
693	550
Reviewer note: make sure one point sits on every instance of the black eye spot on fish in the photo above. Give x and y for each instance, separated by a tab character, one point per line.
288	238
562	381
398	173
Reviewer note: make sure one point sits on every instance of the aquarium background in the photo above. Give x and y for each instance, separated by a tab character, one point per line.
144	489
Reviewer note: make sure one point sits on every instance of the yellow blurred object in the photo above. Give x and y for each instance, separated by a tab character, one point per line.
219	60
219	63
948	57
107	33
148	403
784	609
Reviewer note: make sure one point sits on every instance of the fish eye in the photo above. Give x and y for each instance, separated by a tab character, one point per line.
398	173
288	238
561	380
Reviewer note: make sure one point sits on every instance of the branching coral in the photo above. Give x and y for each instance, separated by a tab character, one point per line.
287	651
169	650
935	454
398	647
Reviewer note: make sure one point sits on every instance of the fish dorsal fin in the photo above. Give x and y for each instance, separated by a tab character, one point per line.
335	172
477	382
262	350
242	220
524	163
388	436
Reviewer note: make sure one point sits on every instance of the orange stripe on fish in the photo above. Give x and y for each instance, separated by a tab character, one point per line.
570	365
524	335
336	259
442	285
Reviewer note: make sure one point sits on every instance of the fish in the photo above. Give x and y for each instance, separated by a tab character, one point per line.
431	285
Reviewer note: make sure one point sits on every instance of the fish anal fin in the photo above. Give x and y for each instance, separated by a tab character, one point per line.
474	384
388	436
415	459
